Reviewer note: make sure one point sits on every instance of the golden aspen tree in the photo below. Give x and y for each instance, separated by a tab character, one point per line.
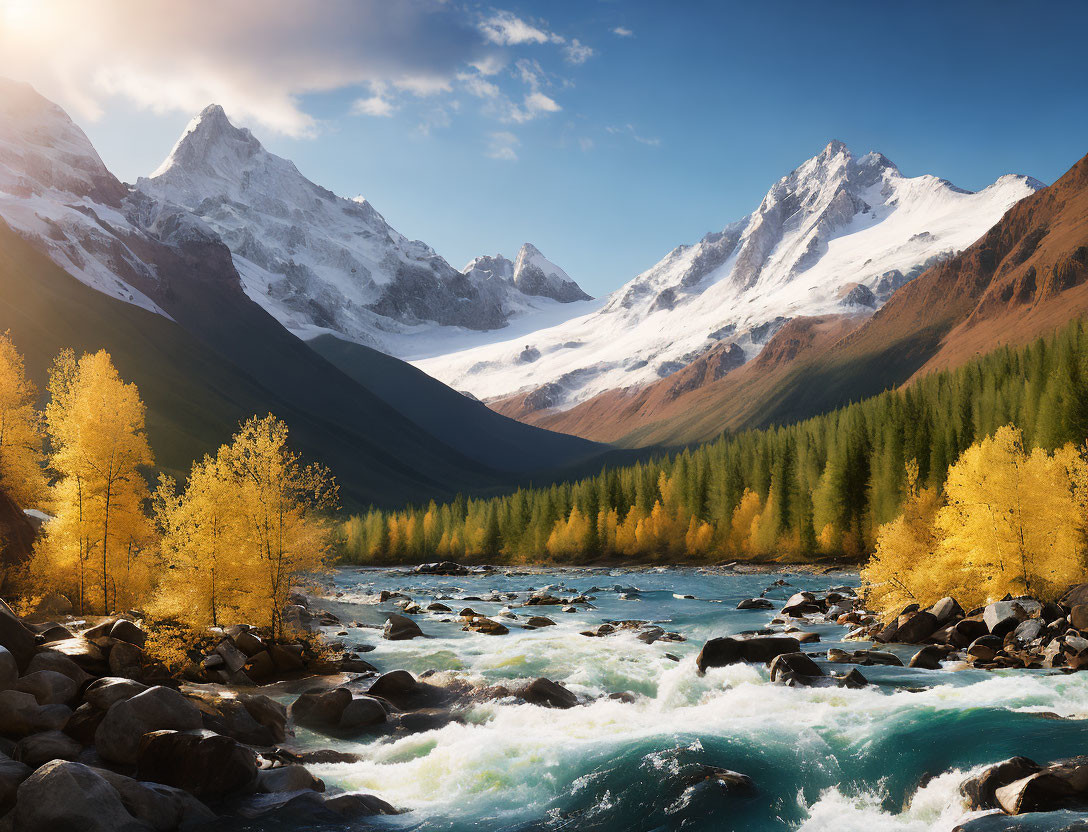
21	433
905	565
200	538
96	430
282	506
745	516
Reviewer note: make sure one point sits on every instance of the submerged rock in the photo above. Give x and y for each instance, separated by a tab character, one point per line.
548	693
400	628
719	652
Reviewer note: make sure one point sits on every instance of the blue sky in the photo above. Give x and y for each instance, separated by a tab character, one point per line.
604	131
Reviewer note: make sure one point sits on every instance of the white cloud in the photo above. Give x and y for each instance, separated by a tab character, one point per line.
479	87
507	29
538	102
373	106
501	146
577	52
623	32
255	57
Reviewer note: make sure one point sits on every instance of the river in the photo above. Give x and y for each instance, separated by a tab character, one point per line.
886	757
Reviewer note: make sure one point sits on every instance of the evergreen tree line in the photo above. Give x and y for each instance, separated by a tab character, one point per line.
819	487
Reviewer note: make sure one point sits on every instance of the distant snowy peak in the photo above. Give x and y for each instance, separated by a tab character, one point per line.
838	234
531	273
314	260
535	274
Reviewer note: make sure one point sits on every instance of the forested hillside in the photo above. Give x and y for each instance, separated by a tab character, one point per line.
818	487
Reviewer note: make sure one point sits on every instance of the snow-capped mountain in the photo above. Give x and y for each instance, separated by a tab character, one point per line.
837	235
531	273
320	263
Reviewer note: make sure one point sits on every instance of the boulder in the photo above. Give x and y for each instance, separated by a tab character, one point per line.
164	807
127	660
362	712
802	603
83	652
38	749
286	660
260	666
20	713
12	773
946	611
966	630
985	648
486	626
55	632
15	637
125	630
63	795
1076	594
204	764
290	778
400	628
9	669
853	680
118	736
730	781
320	709
1027	631
59	663
1002	617
83	723
917	628
48	687
102	693
719	652
789	666
928	658
395	686
539	621
268	713
249	643
755	604
1078	617
1039	792
549	694
980	790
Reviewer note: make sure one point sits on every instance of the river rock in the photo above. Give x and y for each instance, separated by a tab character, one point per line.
985	648
1027	631
290	778
202	763
755	604
118	736
1078	616
54	603
1039	792
549	694
164	807
320	709
980	790
20	713
1002	617
38	749
12	773
486	626
793	666
438	607
802	603
268	713
719	652
917	628
854	680
109	689
128	631
48	687
928	658
946	611
966	630
400	628
84	653
64	795
362	712
539	621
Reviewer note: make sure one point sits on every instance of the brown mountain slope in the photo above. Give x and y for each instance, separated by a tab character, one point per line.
700	401
1023	278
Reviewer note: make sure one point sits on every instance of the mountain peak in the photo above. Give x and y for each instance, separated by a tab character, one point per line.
535	274
211	147
834	148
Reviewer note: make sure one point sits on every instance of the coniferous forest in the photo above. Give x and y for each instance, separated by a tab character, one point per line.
821	487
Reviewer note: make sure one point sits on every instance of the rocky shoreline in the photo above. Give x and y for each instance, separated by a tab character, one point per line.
96	734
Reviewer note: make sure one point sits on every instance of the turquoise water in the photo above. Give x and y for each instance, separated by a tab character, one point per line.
888	757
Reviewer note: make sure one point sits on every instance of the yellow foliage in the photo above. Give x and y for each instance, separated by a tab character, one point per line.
745	515
1013	522
99	533
21	431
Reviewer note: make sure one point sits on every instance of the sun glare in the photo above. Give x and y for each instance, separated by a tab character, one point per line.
18	14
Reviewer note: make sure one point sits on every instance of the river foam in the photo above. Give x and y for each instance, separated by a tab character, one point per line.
889	756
